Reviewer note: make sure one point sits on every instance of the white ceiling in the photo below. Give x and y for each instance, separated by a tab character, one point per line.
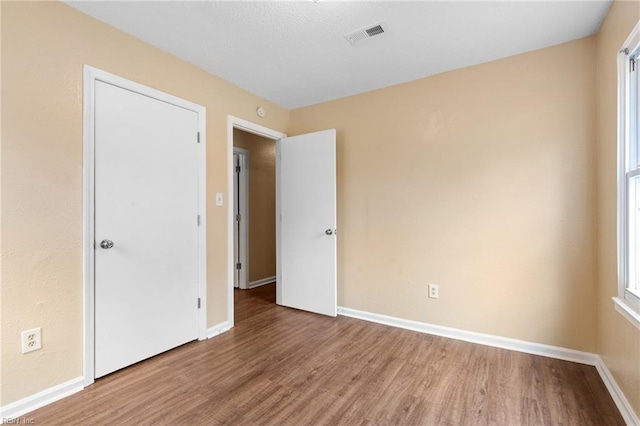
295	53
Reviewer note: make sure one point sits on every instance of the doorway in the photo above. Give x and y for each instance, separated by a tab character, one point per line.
254	202
244	129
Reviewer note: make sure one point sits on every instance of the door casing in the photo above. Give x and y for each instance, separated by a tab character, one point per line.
90	76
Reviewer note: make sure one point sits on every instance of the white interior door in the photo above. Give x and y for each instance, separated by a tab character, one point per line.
236	223
241	218
146	204
307	226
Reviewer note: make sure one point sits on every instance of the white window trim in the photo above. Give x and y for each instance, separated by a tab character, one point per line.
627	303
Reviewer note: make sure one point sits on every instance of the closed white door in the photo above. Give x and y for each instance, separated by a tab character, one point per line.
307	235
146	227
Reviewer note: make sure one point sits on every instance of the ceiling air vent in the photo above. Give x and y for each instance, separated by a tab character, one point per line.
374	30
366	33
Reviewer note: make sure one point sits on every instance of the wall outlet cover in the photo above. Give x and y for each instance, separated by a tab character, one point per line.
433	291
31	340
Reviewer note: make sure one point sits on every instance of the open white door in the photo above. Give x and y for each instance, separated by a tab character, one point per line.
306	185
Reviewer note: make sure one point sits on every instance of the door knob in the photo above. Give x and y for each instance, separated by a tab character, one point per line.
106	244
328	232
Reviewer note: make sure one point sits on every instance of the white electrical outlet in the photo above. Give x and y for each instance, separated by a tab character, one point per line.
433	291
31	340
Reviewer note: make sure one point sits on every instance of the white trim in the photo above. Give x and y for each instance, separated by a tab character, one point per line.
631	45
218	329
633	40
621	175
627	312
40	399
90	76
88	203
256	129
202	207
243	154
264	281
278	225
473	337
616	393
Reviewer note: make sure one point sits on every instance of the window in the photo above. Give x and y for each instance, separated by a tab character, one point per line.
628	300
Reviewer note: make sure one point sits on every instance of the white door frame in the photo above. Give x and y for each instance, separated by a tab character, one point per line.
243	243
91	75
256	129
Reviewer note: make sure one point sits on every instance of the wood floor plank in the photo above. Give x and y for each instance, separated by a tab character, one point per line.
280	366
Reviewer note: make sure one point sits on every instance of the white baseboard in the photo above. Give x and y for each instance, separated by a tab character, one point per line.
55	393
40	399
218	329
473	337
512	344
621	401
268	280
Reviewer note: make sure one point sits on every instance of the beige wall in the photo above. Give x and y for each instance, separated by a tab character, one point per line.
262	203
479	180
619	340
44	46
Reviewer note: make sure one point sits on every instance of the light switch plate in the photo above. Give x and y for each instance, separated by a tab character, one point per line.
219	199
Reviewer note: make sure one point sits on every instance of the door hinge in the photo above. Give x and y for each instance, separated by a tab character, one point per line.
238	265
198	139
198	303
632	64
238	218
238	169
198	220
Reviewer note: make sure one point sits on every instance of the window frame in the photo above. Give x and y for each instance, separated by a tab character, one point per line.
628	300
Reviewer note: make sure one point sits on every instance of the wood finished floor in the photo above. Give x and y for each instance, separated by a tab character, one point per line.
281	366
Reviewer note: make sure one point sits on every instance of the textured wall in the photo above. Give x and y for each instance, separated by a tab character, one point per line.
262	203
619	340
44	47
481	180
